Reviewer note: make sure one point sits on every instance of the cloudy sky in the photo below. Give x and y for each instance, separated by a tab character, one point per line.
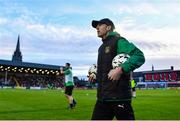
59	31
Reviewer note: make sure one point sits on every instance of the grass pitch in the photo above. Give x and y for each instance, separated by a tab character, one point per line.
51	105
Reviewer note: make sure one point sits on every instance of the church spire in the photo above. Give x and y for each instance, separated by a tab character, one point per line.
18	46
17	56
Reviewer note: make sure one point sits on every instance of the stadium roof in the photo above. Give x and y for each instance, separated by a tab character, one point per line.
29	68
28	65
158	71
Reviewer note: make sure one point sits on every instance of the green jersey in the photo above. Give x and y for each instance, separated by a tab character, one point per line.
68	77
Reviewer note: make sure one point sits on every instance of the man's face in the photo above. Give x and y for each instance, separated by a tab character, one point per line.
66	66
102	30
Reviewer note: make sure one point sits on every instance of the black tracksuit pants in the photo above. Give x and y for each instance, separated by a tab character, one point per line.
104	110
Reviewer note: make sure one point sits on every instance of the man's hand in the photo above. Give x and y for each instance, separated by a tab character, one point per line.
115	74
92	77
61	70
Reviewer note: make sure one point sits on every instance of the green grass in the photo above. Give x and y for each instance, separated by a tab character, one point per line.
51	104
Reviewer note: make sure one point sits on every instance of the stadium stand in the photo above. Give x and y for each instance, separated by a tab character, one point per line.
19	74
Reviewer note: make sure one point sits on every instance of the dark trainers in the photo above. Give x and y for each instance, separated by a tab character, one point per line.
74	103
70	106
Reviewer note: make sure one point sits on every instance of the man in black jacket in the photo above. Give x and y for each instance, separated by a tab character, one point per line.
114	88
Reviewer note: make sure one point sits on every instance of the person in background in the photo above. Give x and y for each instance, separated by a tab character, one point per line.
69	85
114	87
133	86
